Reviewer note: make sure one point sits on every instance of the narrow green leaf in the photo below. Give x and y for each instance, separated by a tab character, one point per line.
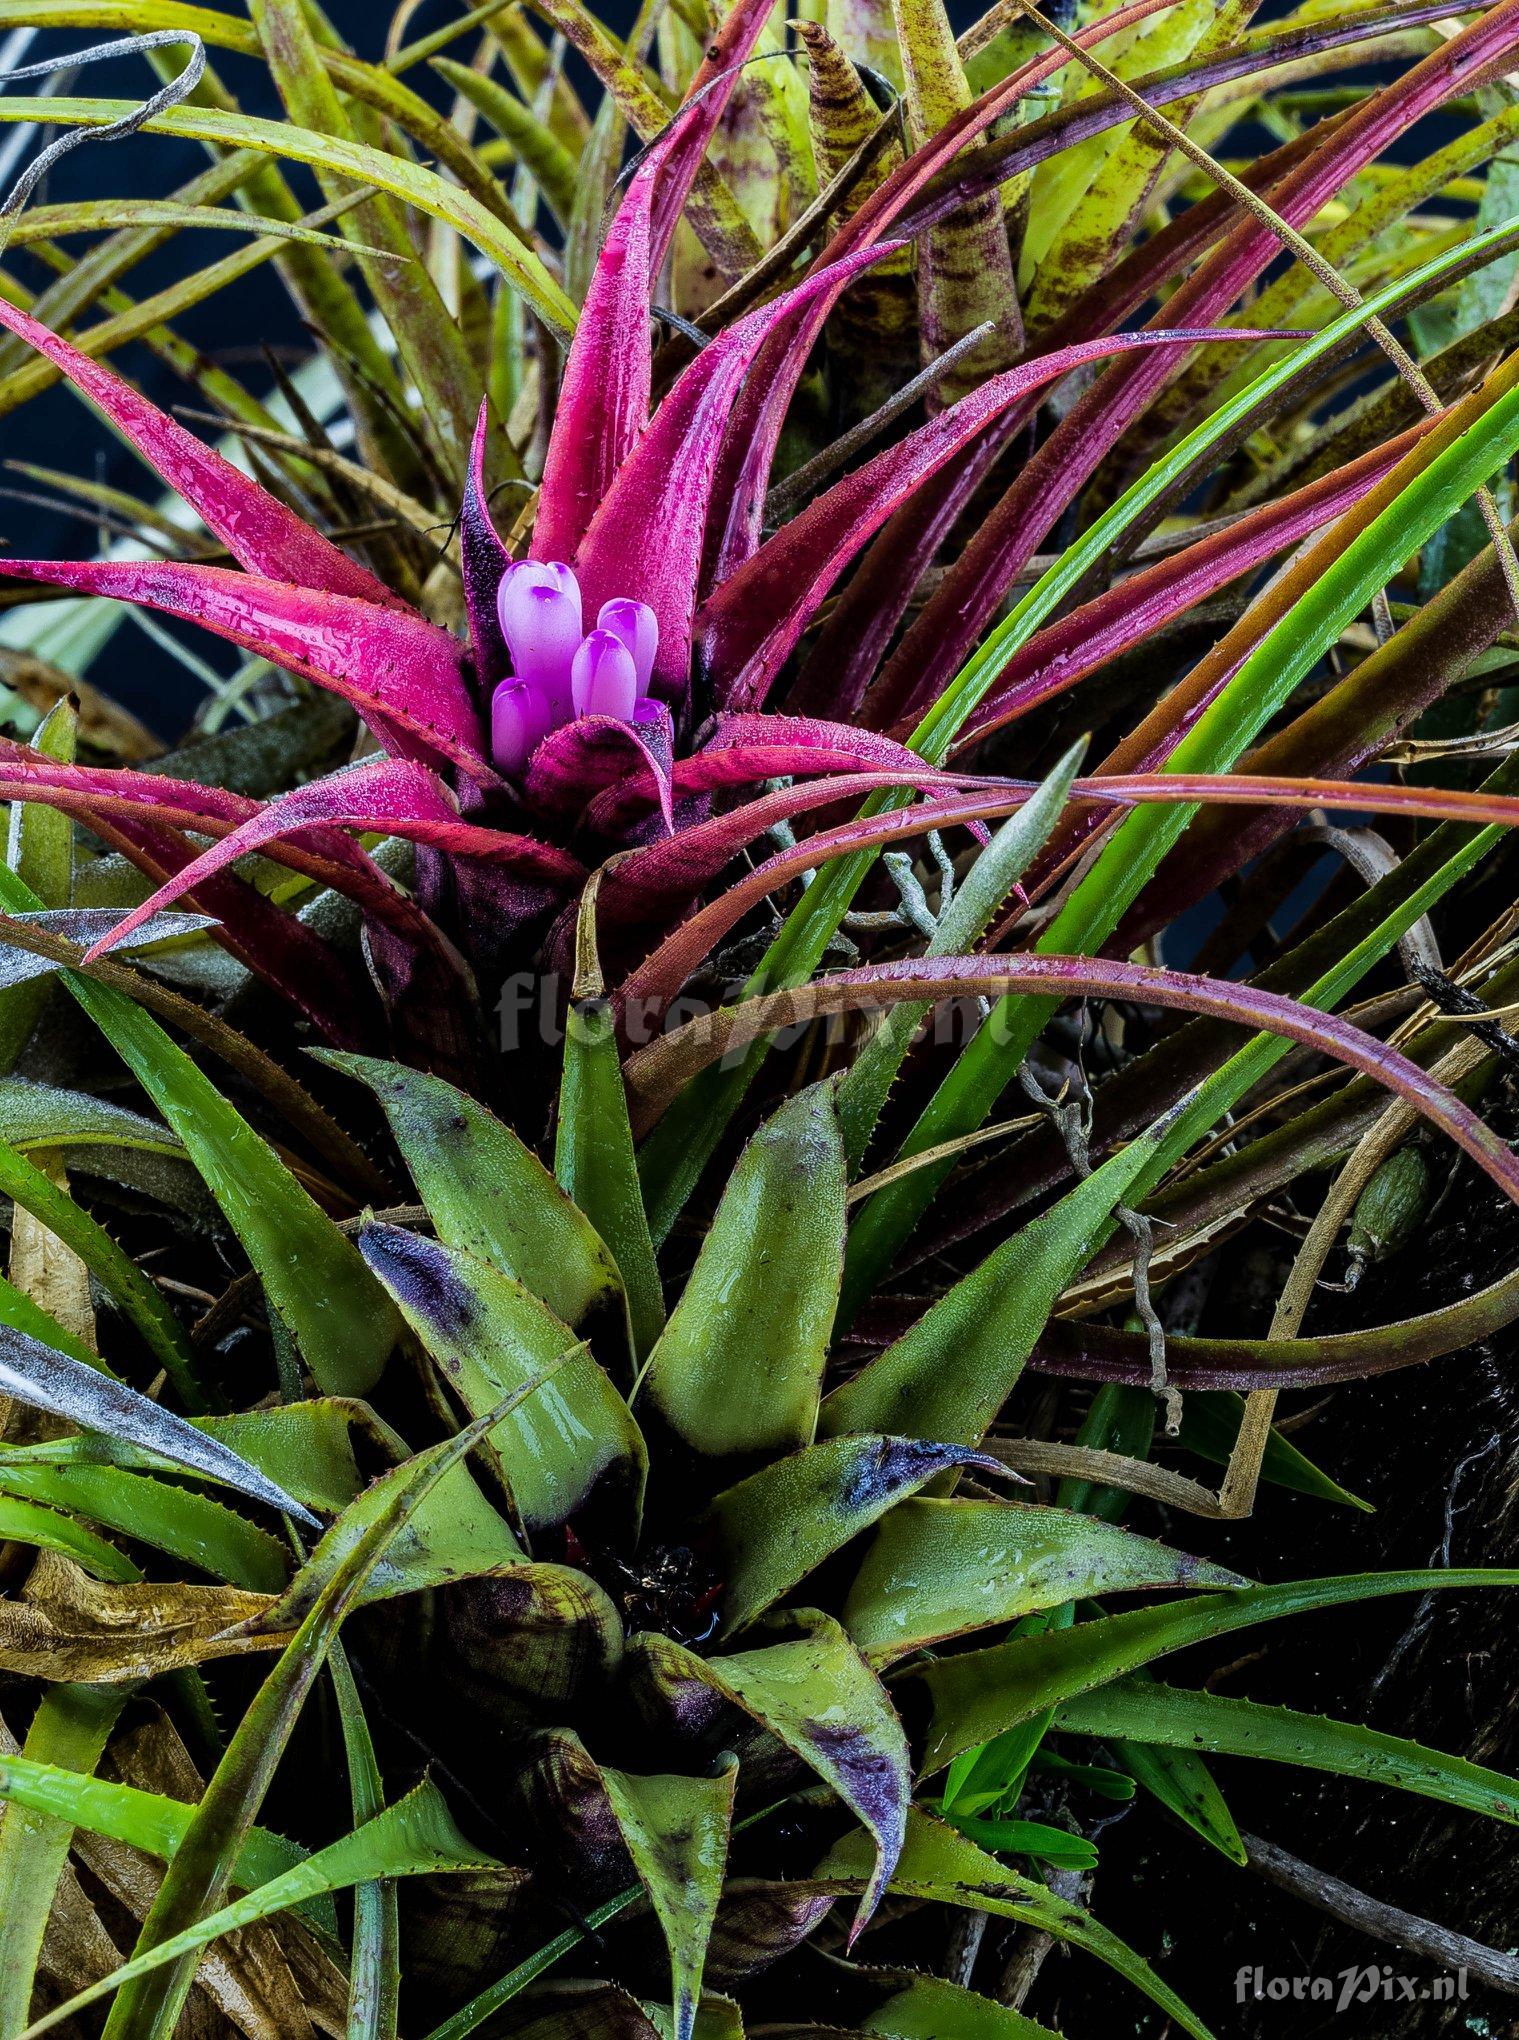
414	1838
313	1275
1180	1780
593	1160
1210	1424
533	141
740	1363
188	1526
1228	1726
69	1731
374	1981
950	1373
49	1116
977	1695
864	1088
117	1272
150	1821
1007	1836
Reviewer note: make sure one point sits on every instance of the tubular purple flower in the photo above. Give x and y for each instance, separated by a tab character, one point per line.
636	625
539	606
603	679
519	723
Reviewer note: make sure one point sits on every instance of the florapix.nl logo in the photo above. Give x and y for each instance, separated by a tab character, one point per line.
1361	1984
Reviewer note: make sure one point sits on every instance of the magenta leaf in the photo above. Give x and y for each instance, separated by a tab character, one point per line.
646	538
748	626
692	859
278	947
401	672
255	527
956	615
601	769
604	397
1131	611
734	749
656	1073
396	796
649	883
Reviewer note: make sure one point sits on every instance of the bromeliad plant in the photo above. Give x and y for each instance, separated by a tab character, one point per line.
712	1625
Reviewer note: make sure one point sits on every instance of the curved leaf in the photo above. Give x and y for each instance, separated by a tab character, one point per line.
415	1837
485	1191
937	1569
388	171
947	1868
978	1695
817	1695
401	671
1135	1709
676	1830
575	1444
124	1813
777	1526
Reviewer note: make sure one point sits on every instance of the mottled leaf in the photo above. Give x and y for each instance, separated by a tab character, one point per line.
676	1830
575	1444
936	1569
943	1866
777	1526
486	1192
817	1695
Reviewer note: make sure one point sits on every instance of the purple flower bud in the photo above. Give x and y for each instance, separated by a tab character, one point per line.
519	723
603	680
539	606
638	627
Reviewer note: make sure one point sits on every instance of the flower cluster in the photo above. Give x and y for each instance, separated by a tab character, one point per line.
558	671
